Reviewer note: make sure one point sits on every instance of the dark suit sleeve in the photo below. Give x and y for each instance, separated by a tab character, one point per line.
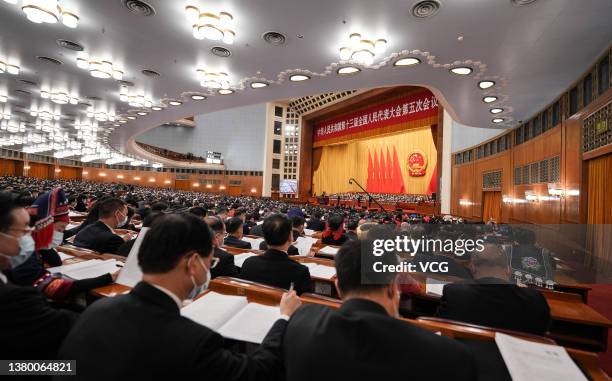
226	267
112	245
304	284
444	309
264	363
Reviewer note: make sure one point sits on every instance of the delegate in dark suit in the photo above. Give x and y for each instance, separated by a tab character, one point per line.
496	303
98	237
274	268
236	242
360	341
30	328
315	224
226	266
142	336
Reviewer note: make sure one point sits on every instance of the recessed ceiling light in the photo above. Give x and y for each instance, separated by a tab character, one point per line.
175	103
486	84
142	113
498	120
461	70
496	110
3	98
197	97
348	70
156	108
117	125
131	117
409	61
225	91
258	85
299	78
122	121
489	99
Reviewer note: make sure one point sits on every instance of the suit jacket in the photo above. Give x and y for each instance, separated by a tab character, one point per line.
31	329
291	250
142	336
360	341
226	266
257	230
330	240
98	237
315	224
235	242
496	303
274	268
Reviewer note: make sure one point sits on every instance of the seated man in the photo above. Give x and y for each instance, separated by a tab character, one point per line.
226	266
274	267
298	226
142	335
315	223
364	340
491	300
100	235
235	234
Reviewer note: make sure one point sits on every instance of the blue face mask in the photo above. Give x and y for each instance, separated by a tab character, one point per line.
197	290
26	248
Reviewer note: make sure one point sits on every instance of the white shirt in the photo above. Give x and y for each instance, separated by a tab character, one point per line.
170	294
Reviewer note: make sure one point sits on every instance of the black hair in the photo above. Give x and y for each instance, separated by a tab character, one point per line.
159	207
276	229
7	205
352	224
170	238
150	219
109	206
297	221
215	223
198	211
233	224
335	222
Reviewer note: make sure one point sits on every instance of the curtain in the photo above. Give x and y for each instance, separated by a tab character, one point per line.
340	162
491	206
599	214
316	158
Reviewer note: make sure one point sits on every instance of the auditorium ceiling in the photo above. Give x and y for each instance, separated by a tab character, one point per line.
284	49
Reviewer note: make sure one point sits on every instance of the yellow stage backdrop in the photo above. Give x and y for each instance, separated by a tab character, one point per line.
333	165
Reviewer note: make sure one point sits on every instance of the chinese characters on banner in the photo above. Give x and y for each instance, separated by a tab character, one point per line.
415	106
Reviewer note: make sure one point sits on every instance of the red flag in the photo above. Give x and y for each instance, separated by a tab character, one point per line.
389	174
398	179
433	182
370	172
376	181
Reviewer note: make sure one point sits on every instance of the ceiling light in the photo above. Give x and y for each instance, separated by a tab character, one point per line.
299	78
175	103
197	97
59	97
498	120
100	116
489	99
47	11
258	85
225	91
496	110
122	121
117	125
131	117
142	113
362	50
348	70
408	61
216	27
3	98
213	80
461	70
99	68
486	84
8	67
156	108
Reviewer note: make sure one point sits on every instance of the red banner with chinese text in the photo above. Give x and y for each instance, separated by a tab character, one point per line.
415	106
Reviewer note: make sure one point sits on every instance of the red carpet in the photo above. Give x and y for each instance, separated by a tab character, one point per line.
600	298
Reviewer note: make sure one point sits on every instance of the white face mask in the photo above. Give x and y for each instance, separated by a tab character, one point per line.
197	290
123	221
58	238
26	248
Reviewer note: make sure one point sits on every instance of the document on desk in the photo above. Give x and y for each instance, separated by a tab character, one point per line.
131	273
233	316
304	244
434	286
240	258
64	256
320	271
309	232
253	241
328	250
527	361
87	269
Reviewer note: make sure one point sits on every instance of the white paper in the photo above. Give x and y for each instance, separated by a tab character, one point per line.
71	226
253	241
86	269
527	361
75	214
131	273
304	244
251	324
64	256
434	286
259	222
73	266
240	258
213	309
309	232
320	271
328	250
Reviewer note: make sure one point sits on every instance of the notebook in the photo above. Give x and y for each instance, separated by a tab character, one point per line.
527	361
309	232
328	250
320	271
304	244
131	273
87	269
434	286
240	258
233	316
64	256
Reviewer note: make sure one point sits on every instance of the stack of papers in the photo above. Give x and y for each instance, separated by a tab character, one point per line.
64	256
87	269
233	316
240	258
304	244
131	273
253	241
328	250
434	286
528	361
320	271
309	232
